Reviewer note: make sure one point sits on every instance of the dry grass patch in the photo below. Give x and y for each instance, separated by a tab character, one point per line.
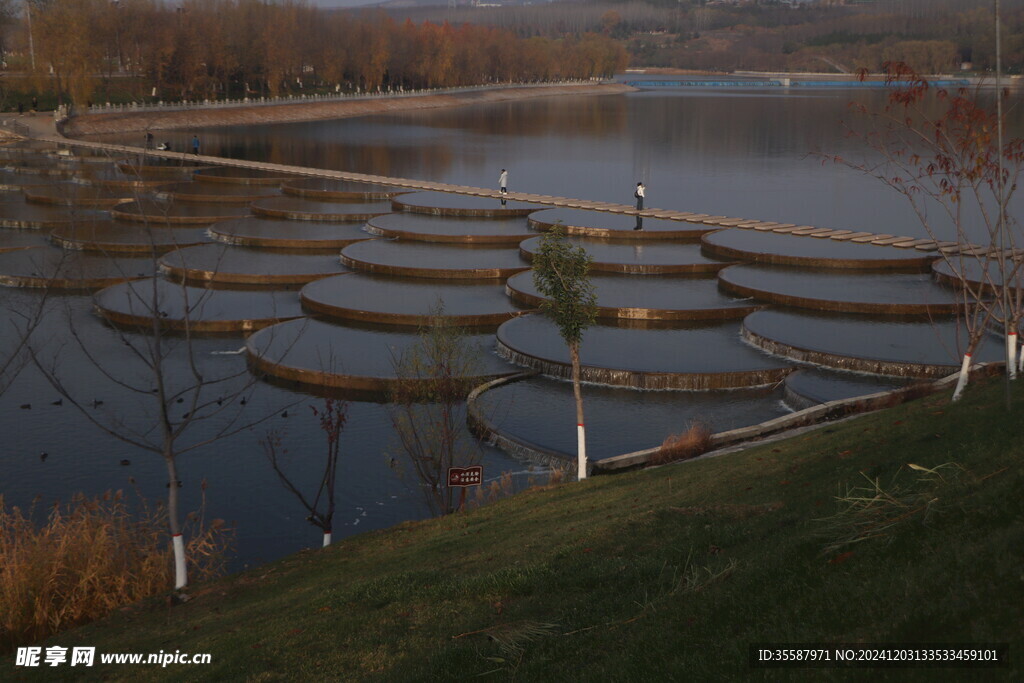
695	441
90	557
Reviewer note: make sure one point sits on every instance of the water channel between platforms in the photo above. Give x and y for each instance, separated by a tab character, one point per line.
321	279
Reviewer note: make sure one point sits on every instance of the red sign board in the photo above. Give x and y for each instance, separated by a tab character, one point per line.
465	476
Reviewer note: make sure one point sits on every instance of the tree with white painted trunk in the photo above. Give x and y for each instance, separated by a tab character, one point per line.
332	417
561	275
943	150
185	398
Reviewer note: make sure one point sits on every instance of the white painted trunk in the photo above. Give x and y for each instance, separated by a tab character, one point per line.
327	538
581	453
965	372
1011	354
180	573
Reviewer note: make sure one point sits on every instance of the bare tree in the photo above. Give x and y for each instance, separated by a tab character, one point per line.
320	506
940	150
176	387
427	407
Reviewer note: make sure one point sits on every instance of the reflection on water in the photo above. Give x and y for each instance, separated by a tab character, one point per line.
743	154
242	489
540	410
737	154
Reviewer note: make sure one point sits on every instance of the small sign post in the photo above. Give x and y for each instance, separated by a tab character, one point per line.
463	477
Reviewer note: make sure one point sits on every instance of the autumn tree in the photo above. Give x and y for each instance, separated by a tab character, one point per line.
941	150
65	39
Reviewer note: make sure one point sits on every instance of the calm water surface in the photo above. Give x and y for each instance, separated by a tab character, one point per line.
749	154
743	154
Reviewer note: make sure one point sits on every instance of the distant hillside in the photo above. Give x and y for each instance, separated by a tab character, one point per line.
802	35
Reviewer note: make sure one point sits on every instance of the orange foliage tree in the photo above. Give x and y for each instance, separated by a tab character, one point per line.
208	49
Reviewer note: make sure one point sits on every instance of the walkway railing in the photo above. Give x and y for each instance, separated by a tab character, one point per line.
327	97
18	128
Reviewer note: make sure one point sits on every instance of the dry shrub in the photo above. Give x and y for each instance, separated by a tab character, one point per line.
557	475
689	444
90	557
498	488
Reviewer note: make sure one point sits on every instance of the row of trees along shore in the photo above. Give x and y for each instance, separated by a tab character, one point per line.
216	48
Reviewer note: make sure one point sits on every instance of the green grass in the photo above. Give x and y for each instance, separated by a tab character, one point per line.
657	575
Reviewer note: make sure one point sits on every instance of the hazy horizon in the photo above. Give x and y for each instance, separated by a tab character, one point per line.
337	4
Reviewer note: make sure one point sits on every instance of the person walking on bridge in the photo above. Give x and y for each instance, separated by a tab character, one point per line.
195	145
503	181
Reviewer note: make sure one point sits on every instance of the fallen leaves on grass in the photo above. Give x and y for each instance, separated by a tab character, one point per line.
841	557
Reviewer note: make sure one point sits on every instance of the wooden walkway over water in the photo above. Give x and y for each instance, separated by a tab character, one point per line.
859	237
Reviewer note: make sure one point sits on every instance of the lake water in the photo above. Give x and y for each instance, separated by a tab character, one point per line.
744	154
749	154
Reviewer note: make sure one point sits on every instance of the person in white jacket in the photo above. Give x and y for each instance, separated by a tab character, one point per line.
503	181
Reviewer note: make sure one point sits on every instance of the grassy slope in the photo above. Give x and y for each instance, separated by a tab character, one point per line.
623	565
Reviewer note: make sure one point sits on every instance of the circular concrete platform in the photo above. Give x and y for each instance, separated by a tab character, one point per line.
16	212
224	264
153	168
16	149
113	178
638	258
602	224
540	413
12	240
636	297
407	301
464	230
877	293
208	193
177	214
422	259
345	190
52	268
15	183
810	252
71	156
232	175
174	306
282	233
120	237
985	276
449	204
314	353
296	208
880	346
812	386
38	167
76	195
672	357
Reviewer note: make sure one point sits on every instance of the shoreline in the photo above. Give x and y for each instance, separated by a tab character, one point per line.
125	122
